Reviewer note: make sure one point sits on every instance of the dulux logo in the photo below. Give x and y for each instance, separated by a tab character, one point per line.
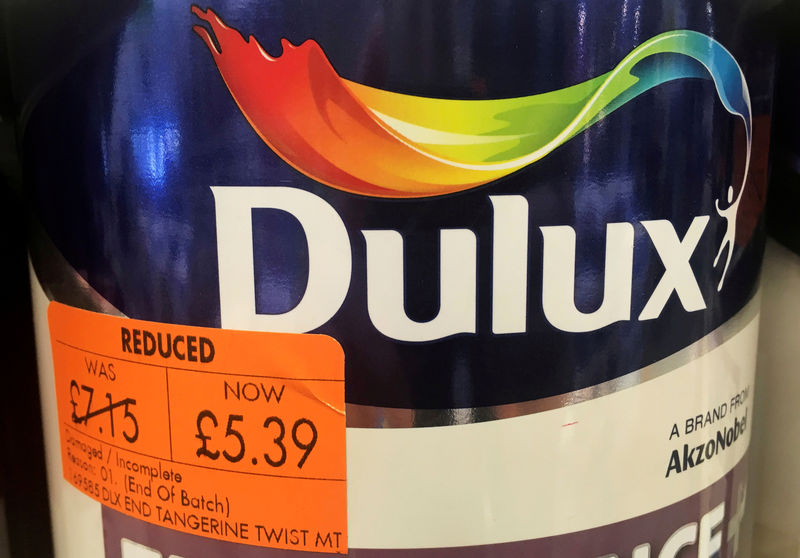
330	269
379	143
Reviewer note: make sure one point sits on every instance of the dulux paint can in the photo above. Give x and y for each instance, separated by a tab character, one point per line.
396	278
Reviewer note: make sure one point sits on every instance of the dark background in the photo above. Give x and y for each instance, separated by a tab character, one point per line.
23	490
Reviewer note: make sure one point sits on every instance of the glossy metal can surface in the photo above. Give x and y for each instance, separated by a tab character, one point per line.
533	228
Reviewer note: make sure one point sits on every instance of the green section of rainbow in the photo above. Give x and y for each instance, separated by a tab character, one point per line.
511	133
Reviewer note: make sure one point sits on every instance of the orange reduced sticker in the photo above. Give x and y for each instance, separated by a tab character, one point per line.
232	435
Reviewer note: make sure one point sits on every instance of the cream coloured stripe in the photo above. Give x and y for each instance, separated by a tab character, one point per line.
559	471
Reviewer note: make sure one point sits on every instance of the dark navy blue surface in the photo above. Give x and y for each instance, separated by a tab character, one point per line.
122	149
782	222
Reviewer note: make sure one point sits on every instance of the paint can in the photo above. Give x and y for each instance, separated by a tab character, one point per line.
474	278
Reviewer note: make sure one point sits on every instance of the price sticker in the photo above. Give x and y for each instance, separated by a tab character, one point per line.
232	435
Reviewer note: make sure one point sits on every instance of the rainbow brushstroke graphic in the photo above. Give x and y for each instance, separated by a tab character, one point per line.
373	142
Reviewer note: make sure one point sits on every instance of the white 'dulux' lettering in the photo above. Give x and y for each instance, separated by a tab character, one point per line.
457	286
330	269
329	258
509	264
558	279
678	275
